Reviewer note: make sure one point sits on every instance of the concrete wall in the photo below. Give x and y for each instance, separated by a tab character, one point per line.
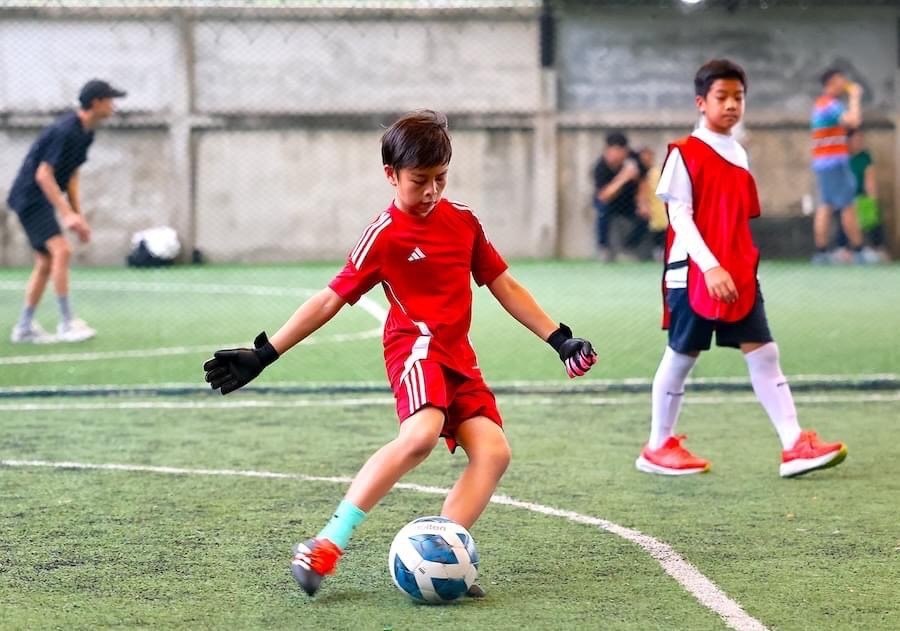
326	66
256	134
329	184
643	60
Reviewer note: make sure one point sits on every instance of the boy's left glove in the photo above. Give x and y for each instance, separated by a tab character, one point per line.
577	354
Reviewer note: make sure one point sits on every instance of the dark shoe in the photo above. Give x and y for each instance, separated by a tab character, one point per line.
313	560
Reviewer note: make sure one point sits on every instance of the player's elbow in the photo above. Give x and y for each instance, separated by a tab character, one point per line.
43	174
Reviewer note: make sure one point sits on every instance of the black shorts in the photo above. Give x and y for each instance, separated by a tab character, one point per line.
39	221
688	332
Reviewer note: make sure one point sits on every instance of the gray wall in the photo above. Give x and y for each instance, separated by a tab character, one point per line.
643	60
256	134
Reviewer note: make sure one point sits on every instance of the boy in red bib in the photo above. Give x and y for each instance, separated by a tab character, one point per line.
424	251
710	283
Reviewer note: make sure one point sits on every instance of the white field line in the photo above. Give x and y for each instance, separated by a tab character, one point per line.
508	400
689	577
171	350
180	289
366	304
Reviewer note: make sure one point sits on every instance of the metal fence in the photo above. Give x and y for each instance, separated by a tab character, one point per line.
253	127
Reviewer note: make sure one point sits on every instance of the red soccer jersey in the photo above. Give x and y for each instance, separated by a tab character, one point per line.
424	265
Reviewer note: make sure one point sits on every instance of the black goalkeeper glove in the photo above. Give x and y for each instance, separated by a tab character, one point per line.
232	368
577	354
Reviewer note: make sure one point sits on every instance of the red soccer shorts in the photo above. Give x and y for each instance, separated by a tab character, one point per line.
459	397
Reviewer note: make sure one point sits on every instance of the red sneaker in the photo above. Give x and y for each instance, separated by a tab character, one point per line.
671	459
313	559
809	454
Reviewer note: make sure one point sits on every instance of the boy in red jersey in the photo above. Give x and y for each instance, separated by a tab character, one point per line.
711	285
423	250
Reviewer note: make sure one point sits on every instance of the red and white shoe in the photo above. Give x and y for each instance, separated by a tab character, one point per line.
671	459
809	454
313	560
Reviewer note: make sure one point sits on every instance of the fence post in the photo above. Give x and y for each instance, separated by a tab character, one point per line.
545	187
183	215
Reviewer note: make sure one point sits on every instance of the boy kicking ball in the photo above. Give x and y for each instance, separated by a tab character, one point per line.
711	285
424	251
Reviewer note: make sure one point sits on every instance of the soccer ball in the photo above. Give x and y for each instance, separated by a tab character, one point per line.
433	560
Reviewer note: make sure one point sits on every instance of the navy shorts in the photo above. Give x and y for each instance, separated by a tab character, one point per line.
39	221
837	186
688	332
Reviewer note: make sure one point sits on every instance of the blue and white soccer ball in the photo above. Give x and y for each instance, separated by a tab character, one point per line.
433	560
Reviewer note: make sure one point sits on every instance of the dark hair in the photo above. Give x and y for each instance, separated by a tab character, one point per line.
616	139
716	69
828	74
417	139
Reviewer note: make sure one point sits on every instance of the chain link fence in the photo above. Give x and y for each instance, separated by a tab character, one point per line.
252	128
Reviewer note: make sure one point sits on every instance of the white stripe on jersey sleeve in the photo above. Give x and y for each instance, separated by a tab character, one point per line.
361	250
462	207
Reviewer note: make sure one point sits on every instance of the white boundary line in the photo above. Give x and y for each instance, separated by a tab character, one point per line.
366	304
527	400
172	350
689	577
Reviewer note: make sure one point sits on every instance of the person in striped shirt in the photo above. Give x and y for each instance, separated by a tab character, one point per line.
424	251
830	120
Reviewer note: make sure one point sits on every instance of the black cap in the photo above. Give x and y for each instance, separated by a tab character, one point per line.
97	89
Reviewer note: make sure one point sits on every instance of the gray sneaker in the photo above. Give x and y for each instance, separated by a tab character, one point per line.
821	258
866	256
75	330
33	334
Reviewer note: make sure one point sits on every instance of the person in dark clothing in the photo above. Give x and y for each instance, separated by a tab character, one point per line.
44	195
618	180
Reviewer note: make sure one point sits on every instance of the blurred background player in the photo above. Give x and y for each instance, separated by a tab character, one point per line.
711	284
831	164
47	187
868	212
424	250
618	181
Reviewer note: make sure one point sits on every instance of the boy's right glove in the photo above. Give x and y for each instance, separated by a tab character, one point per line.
232	368
577	354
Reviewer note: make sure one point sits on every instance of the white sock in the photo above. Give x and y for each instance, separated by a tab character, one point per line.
772	390
668	393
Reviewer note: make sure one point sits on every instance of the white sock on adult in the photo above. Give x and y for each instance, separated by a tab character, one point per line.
772	390
668	393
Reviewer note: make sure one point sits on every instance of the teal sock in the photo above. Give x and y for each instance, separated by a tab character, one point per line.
340	528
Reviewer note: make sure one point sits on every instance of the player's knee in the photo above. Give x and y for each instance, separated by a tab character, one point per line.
497	454
42	264
418	445
60	250
502	455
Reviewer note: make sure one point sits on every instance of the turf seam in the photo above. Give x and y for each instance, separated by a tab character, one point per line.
807	383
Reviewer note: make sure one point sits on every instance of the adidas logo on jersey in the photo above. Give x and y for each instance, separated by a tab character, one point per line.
417	255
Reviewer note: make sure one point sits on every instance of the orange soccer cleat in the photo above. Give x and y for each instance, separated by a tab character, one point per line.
809	454
313	559
671	459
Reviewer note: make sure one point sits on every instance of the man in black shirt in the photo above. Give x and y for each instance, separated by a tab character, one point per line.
618	178
47	186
